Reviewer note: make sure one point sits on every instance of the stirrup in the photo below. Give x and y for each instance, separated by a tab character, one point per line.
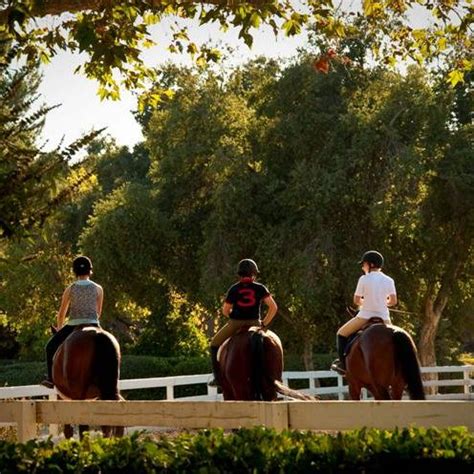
336	367
213	383
47	383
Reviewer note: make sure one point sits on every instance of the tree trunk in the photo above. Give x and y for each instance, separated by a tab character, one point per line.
435	302
426	345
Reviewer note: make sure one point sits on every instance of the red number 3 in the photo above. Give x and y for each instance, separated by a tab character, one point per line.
246	298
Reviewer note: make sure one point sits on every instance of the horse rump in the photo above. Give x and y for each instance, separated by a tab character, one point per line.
264	384
107	365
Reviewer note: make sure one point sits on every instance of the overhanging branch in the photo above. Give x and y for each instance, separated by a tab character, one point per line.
58	7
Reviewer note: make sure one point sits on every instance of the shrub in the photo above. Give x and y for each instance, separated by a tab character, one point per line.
254	450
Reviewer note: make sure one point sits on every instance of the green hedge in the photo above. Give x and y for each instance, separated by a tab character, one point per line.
257	450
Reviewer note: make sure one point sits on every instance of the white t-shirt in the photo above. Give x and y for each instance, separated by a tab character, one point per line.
375	287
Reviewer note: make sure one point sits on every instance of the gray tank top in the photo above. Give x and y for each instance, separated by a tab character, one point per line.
83	303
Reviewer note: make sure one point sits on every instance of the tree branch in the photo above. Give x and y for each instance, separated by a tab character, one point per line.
58	7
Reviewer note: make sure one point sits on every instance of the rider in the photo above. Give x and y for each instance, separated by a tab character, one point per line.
242	306
375	292
84	299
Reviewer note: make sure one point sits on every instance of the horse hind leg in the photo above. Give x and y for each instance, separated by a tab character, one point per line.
397	389
68	431
82	430
354	390
380	393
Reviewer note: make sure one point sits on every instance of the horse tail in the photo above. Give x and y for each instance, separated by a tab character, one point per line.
289	392
257	373
405	351
108	366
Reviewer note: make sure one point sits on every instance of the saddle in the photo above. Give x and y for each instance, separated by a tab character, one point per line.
354	337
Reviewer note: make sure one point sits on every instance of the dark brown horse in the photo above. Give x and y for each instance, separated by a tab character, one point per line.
384	361
87	367
251	366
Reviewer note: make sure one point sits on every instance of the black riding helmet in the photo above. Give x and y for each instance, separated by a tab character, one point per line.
373	258
247	268
82	265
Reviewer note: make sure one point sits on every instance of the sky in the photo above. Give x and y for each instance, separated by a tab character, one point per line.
81	109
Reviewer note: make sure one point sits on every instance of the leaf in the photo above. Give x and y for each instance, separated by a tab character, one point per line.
454	77
255	20
321	65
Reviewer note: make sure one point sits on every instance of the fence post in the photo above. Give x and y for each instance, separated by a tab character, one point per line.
53	429
26	421
212	392
274	415
169	392
340	386
467	378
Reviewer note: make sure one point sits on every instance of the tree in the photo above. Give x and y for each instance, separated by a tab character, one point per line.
32	182
429	220
34	275
112	34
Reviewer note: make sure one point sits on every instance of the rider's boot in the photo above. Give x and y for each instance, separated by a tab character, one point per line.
48	381
339	365
215	368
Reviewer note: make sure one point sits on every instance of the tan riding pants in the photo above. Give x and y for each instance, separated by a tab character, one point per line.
230	328
354	325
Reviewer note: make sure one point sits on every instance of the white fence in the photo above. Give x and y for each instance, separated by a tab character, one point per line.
335	389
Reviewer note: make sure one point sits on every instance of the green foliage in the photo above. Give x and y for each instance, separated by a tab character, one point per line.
112	35
34	276
299	170
251	450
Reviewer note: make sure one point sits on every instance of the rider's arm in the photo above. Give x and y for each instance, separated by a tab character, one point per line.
272	309
100	300
392	300
226	308
359	291
63	308
358	300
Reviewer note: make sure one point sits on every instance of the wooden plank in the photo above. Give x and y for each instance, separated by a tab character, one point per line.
447	383
26	420
25	391
155	382
446	368
166	413
347	415
8	411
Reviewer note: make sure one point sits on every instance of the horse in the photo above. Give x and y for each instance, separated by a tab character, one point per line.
251	367
87	367
384	360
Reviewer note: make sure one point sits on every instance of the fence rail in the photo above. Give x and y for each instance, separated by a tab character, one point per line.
324	415
312	378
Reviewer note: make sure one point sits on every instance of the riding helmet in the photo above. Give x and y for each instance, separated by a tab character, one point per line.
247	268
372	257
82	265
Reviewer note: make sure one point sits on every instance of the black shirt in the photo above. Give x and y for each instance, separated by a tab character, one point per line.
246	297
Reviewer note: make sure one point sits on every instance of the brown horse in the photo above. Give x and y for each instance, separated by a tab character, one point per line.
384	361
251	366
87	367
